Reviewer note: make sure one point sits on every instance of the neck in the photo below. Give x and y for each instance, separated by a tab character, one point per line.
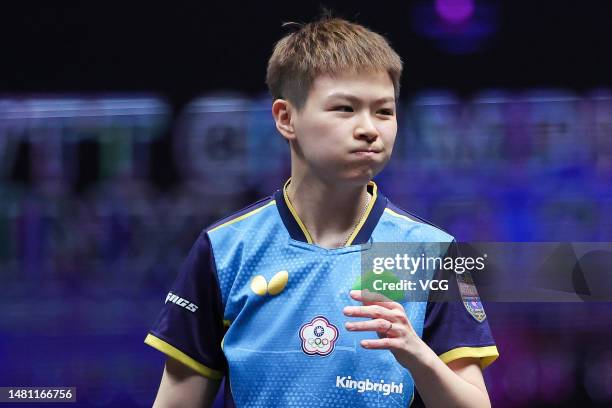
329	212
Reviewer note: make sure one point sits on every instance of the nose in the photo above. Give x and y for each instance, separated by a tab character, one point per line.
365	129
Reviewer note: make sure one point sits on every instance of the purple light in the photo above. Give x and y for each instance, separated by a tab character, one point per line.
455	11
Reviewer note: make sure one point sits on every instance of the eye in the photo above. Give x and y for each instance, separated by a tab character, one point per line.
386	112
343	108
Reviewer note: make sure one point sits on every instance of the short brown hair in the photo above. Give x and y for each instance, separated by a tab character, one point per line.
329	45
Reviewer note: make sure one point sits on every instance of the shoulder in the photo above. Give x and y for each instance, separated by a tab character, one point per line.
410	223
247	214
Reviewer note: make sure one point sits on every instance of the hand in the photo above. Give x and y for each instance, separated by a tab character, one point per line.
388	319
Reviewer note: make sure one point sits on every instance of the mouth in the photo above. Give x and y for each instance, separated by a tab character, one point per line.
366	152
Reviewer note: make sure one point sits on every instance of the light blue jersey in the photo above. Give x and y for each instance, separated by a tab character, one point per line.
274	300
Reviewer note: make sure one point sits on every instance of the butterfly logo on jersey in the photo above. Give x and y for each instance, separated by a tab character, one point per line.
318	336
277	284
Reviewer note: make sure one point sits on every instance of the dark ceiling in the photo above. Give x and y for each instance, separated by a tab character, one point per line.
182	49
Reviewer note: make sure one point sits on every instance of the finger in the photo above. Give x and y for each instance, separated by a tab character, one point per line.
371	311
378	325
376	312
385	343
369	296
372	298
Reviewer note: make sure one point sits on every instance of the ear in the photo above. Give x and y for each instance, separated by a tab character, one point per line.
283	113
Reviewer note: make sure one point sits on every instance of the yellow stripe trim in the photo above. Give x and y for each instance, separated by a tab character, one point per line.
294	213
390	211
366	215
177	354
243	216
487	354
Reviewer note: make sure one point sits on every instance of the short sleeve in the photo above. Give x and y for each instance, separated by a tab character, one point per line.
456	326
190	326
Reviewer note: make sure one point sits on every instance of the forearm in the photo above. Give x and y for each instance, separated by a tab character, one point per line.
439	386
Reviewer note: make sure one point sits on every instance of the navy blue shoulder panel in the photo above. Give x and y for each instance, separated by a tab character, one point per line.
195	330
413	216
241	212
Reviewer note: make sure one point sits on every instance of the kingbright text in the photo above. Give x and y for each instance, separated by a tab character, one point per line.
347	382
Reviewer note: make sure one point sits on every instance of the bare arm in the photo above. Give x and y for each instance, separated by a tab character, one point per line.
182	387
460	384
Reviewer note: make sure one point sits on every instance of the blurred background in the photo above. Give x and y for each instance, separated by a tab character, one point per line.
127	128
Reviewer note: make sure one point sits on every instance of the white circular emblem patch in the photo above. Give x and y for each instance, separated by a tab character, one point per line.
318	336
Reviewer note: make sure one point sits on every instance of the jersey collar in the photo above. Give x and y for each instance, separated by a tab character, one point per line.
297	230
